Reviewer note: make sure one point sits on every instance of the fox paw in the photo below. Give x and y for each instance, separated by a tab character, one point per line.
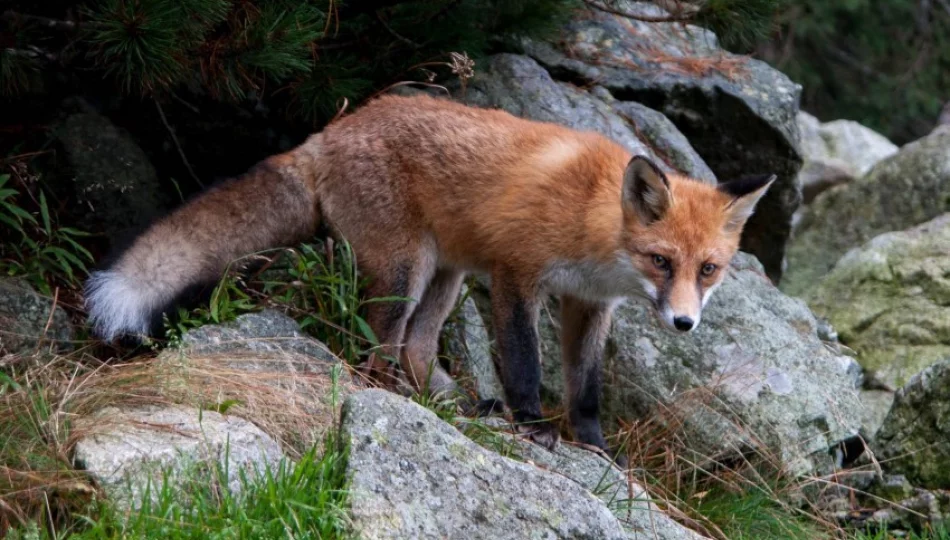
480	408
488	407
545	434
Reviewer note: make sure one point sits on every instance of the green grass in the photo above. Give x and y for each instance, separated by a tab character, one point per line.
318	284
754	515
304	500
40	250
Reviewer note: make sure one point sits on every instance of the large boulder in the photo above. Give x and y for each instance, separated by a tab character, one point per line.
114	182
267	332
875	405
901	191
415	476
915	438
753	376
837	152
130	451
889	300
738	113
256	385
856	147
30	321
267	369
519	85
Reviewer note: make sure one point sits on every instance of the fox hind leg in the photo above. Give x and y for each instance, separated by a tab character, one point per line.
418	358
405	277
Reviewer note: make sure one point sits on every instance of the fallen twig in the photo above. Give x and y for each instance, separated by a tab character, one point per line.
181	152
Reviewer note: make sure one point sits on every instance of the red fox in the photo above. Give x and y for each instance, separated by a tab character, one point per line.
426	190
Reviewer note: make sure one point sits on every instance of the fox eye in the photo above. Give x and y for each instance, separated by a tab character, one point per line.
661	262
708	269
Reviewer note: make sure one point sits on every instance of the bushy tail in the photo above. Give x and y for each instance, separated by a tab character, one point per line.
271	205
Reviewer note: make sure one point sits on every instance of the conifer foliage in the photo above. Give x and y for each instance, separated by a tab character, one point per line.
310	52
884	63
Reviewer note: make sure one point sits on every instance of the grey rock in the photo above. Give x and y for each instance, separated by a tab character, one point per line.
269	360
656	130
906	189
890	503
888	301
520	86
853	146
466	339
875	405
128	451
24	315
944	118
858	146
813	146
632	505
893	487
837	152
753	373
817	176
739	114
915	438
268	333
414	476
115	183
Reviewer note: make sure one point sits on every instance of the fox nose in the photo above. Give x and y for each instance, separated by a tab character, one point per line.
683	324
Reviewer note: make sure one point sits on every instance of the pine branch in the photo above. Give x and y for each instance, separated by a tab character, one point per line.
396	35
56	24
31	52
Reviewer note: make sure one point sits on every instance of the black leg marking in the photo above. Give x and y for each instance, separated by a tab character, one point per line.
522	370
585	409
517	334
584	334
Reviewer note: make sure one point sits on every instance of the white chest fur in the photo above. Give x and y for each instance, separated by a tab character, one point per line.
596	280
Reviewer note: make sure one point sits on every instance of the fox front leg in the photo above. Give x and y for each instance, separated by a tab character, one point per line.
515	318
584	329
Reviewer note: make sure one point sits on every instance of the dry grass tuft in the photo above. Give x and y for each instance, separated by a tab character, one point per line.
43	400
290	396
706	491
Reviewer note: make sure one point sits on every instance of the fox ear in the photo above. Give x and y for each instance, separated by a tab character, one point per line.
746	193
646	191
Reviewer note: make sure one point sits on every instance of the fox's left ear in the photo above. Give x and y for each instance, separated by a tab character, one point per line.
745	193
646	190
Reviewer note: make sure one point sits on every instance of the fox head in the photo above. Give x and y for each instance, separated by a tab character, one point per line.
681	235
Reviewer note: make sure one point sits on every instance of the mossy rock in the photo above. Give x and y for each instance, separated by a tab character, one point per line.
915	437
906	189
890	300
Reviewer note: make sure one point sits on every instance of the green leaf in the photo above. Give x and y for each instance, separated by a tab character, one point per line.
15	225
44	211
366	330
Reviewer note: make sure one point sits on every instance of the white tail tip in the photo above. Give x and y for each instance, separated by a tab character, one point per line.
116	305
